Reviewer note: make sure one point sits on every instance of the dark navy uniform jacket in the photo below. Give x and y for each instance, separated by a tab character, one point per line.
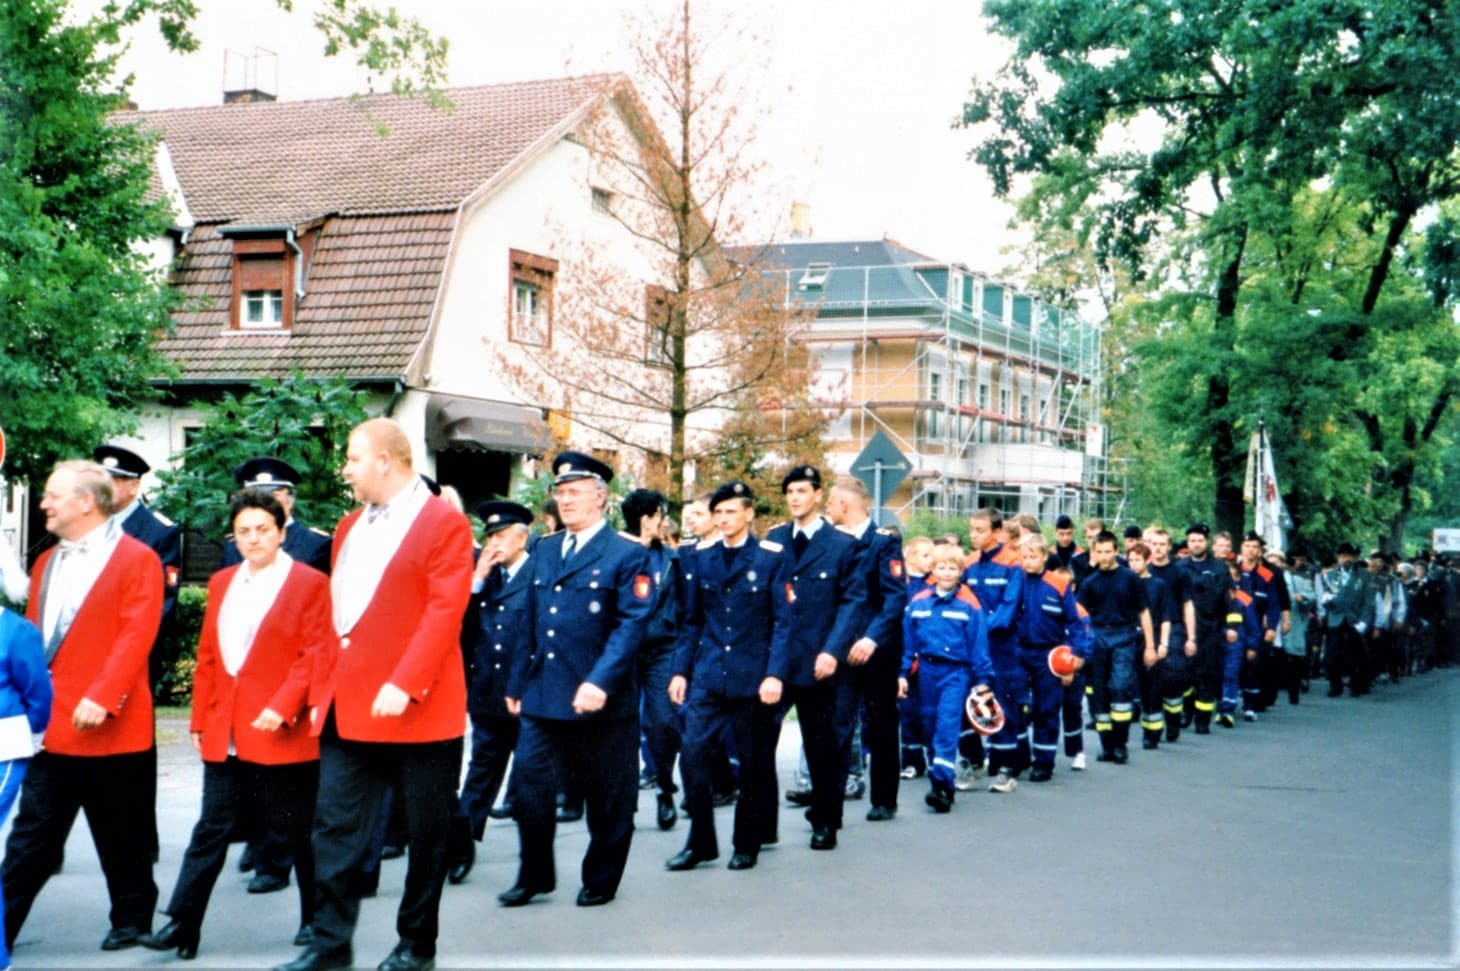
661	631
163	538
491	634
585	621
880	552
309	546
730	619
825	592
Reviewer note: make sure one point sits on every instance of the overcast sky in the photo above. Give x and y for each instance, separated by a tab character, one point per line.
859	96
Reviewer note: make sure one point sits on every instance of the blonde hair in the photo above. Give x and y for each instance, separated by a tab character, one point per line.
947	554
916	542
1033	541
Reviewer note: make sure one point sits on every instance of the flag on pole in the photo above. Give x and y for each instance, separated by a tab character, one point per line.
1269	514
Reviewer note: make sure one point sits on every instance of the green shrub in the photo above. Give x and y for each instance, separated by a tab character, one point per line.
177	648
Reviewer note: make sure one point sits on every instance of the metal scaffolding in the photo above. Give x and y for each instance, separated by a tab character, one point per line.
993	393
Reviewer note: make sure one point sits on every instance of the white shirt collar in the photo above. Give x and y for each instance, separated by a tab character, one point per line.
582	537
808	531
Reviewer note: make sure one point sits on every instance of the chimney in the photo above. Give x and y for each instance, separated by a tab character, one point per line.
800	220
241	84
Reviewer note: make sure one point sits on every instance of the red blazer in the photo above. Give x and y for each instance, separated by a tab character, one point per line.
274	675
409	636
104	654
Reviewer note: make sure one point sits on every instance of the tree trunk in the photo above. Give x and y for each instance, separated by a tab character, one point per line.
1227	461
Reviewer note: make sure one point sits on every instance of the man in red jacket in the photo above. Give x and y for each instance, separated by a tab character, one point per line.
388	696
97	599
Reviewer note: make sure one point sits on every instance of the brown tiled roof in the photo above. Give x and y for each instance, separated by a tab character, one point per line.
289	161
387	205
367	303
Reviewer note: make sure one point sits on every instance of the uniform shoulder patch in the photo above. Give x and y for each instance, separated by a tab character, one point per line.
969	597
771	546
923	594
885	531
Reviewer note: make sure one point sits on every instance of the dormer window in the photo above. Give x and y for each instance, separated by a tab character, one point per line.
530	312
263	280
815	276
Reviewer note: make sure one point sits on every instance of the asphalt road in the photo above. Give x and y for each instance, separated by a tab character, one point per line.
1325	835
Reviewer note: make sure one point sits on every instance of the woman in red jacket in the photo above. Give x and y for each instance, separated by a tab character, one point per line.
266	618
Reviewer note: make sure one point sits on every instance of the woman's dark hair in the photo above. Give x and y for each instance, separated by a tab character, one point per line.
256	499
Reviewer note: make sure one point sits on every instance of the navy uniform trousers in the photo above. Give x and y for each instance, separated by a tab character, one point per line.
752	725
604	754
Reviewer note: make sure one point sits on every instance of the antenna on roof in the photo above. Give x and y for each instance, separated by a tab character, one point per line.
241	76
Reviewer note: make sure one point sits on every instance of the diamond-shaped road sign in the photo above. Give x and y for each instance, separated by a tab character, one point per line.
881	467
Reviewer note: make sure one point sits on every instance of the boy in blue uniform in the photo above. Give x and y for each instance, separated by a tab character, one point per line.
1242	654
943	630
1048	616
995	574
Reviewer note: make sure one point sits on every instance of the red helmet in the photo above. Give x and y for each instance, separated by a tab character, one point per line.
983	711
1062	661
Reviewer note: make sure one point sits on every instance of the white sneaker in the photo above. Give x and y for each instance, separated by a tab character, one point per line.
1003	782
1249	716
967	775
1078	762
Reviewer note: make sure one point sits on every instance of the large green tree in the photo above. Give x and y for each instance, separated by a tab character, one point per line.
80	306
1188	139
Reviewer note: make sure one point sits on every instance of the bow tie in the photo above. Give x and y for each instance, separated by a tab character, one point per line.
72	546
374	512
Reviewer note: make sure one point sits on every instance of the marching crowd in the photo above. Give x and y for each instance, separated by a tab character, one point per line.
338	676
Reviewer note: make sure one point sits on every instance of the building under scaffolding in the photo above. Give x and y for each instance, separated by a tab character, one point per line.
991	392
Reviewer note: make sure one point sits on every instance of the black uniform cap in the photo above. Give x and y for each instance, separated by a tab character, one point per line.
1202	528
120	462
1132	532
572	466
1253	537
730	490
267	474
801	473
497	514
1064	522
1347	549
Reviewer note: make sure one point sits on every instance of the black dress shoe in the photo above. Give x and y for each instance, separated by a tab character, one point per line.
267	883
392	852
175	934
798	797
305	937
593	898
119	938
1105	757
823	838
1040	773
741	861
517	896
724	798
1149	743
503	811
404	958
687	859
1120	756
666	815
941	800
312	960
880	814
463	864
566	815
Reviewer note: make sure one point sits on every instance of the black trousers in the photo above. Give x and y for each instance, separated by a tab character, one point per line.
603	755
285	794
492	740
816	712
660	722
117	793
353	779
1347	654
871	689
753	726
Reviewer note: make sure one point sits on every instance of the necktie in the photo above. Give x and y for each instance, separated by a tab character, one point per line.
569	548
799	542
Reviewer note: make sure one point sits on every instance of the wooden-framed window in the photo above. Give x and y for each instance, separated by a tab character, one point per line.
530	298
602	201
263	288
658	350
